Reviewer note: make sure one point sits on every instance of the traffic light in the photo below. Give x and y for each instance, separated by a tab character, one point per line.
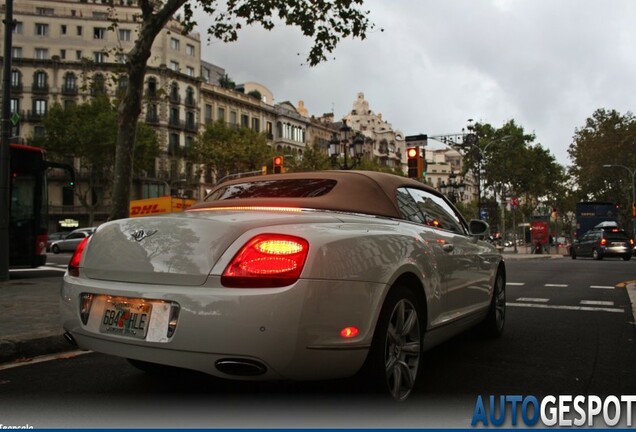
278	164
415	163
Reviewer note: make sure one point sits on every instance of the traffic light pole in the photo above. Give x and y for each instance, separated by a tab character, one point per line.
5	196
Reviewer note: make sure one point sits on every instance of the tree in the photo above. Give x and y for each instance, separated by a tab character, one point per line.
88	132
607	138
226	82
229	150
325	22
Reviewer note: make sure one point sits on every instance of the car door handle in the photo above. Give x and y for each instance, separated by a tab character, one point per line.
448	247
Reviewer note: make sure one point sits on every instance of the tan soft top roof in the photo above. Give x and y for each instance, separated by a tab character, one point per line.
366	192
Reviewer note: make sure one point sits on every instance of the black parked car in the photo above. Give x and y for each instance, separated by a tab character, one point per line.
600	242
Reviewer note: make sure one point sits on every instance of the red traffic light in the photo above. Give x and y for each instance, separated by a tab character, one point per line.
278	164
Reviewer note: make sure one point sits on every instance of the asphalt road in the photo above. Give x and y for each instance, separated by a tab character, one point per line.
569	331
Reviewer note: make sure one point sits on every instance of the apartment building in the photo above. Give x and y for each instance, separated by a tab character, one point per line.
67	51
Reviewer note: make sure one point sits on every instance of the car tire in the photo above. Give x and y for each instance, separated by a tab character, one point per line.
55	249
493	325
627	257
395	356
596	255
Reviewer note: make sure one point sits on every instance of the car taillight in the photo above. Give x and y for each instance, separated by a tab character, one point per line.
267	261
603	242
76	259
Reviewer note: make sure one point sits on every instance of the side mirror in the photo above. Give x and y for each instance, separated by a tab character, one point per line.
478	228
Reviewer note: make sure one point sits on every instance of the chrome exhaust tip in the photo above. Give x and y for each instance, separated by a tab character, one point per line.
240	367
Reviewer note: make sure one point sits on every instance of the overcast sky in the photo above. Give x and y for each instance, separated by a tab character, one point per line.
547	64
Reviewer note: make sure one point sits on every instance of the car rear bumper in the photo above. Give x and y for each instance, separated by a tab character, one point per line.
293	332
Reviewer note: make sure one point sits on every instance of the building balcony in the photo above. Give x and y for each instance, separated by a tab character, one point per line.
152	118
69	91
176	123
40	88
16	87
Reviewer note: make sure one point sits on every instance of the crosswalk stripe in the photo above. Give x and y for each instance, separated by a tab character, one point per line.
533	300
601	287
597	303
557	285
515	283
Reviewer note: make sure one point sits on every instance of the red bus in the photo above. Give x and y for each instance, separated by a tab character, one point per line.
28	209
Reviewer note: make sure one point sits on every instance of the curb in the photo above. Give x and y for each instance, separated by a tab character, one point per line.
20	350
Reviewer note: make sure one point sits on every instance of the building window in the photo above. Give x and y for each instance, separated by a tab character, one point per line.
16	52
70	82
63	54
245	120
40	80
79	30
18	27
78	55
16	78
174	44
189	71
173	149
41	53
233	117
220	114
208	113
44	11
189	96
190	50
41	29
40	106
99	33
256	124
174	66
63	29
206	74
174	92
121	58
151	88
15	105
98	85
124	35
100	15
174	116
99	57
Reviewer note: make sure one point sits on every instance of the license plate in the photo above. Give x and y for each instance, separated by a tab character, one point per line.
126	318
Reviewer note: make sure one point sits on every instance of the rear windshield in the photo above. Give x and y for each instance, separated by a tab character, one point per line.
294	188
620	235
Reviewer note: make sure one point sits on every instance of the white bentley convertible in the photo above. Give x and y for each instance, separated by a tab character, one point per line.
299	276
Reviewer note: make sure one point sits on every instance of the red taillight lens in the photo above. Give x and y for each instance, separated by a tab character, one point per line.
603	242
267	261
76	259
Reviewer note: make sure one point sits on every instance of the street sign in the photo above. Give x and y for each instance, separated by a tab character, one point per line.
514	202
15	118
416	140
483	214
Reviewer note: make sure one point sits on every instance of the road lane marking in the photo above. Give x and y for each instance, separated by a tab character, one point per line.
533	300
515	283
42	359
601	287
576	308
597	303
43	268
557	285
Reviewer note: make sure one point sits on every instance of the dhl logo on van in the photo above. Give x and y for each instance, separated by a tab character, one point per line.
146	209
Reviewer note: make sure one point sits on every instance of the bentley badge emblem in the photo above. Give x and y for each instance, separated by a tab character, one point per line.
139	235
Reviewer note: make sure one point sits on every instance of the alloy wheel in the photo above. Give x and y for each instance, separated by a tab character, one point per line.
402	349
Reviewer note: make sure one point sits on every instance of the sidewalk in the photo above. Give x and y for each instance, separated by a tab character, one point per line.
30	320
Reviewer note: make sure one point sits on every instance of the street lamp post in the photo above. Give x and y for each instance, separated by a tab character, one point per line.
454	189
632	172
338	146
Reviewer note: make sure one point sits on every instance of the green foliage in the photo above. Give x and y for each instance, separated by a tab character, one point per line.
326	22
255	94
607	138
226	82
313	159
230	150
89	132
